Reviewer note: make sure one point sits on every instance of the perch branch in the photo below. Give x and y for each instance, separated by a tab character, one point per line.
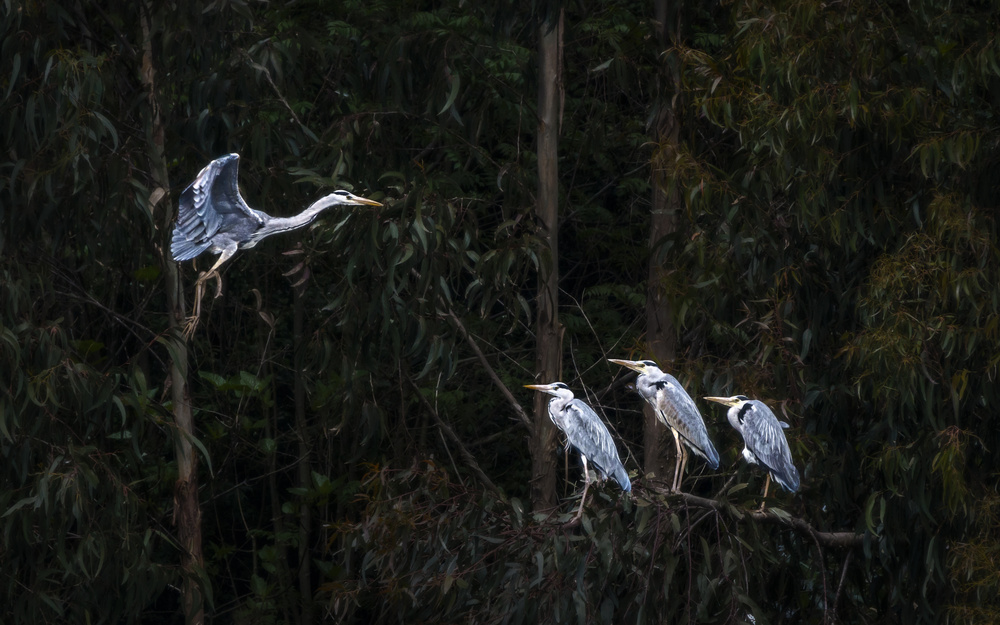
827	539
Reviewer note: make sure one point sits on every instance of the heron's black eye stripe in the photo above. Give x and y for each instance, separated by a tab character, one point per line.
744	409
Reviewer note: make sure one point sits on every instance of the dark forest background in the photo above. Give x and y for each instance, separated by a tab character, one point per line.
794	200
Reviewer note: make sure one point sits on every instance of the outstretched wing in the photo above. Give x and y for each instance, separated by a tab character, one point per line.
675	408
210	205
591	437
764	436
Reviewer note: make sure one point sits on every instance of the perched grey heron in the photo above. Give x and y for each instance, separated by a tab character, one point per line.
212	216
587	433
763	439
675	409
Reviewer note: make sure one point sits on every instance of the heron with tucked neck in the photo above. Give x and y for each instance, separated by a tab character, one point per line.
212	216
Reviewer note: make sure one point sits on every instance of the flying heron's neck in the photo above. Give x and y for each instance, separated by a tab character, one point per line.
306	217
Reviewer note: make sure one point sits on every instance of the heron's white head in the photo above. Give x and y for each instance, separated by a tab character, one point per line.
341	197
557	389
641	366
735	400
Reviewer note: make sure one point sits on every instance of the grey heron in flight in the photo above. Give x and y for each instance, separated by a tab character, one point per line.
587	433
675	409
213	216
763	439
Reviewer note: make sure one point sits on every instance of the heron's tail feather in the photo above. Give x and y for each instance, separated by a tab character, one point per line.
788	477
706	450
711	455
621	476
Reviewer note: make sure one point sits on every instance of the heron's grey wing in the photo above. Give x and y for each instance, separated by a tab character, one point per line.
676	408
591	437
765	438
210	205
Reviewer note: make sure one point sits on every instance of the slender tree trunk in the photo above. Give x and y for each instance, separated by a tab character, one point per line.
187	508
305	466
666	206
548	330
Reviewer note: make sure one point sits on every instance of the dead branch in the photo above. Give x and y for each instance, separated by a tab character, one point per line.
493	374
462	450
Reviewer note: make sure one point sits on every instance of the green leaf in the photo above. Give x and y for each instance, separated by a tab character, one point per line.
455	84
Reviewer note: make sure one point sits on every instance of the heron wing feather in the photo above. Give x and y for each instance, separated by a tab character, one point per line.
210	205
675	408
591	437
765	438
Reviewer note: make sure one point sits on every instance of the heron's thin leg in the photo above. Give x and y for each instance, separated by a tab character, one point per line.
684	464
586	485
218	284
199	289
677	460
767	484
214	271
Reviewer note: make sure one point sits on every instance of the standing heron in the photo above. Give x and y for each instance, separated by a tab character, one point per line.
587	433
675	409
212	216
764	441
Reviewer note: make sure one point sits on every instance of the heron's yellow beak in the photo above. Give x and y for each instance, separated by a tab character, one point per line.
634	365
366	201
536	387
725	401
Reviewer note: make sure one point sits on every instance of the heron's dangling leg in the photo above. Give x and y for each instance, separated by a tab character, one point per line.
214	271
586	485
199	289
677	461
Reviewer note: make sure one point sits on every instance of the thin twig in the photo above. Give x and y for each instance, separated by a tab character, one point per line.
267	74
822	570
446	429
840	585
492	437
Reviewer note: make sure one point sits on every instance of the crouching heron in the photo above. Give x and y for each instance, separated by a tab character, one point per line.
675	409
763	439
587	433
212	216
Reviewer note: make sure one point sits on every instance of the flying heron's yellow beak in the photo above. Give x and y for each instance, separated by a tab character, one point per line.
366	201
634	365
537	387
725	401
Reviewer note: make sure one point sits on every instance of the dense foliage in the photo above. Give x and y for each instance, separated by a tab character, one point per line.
836	256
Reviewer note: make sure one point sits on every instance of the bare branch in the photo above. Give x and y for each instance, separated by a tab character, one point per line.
493	374
462	450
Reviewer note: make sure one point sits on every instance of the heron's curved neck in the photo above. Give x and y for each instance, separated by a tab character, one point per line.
561	401
306	217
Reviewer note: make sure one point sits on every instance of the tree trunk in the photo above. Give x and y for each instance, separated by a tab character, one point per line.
284	573
187	509
658	444
548	331
305	467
